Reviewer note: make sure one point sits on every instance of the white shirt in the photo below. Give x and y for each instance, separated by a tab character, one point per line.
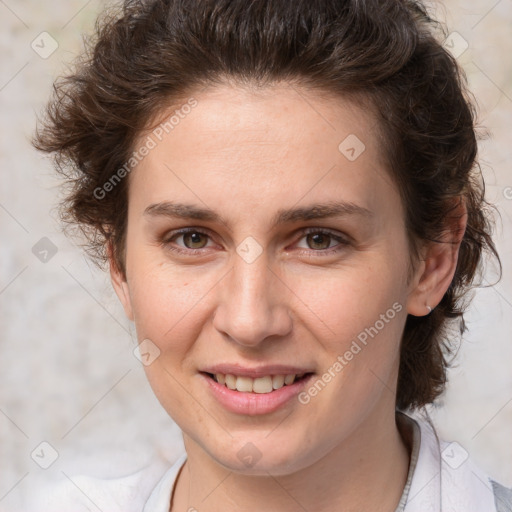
441	478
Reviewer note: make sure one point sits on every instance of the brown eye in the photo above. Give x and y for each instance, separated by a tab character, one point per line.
192	240
318	240
187	242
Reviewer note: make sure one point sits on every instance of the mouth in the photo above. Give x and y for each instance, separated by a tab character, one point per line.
261	385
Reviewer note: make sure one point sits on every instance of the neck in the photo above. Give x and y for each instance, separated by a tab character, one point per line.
367	471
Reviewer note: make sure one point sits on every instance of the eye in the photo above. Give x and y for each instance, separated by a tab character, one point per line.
319	242
193	239
323	241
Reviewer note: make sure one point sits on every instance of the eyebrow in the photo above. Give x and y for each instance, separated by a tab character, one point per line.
305	213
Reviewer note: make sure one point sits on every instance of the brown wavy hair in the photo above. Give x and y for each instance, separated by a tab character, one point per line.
385	54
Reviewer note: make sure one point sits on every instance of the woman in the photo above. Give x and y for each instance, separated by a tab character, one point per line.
286	196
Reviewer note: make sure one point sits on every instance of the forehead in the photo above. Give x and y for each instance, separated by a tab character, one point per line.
272	114
261	144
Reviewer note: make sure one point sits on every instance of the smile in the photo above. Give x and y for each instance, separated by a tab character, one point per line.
265	384
255	396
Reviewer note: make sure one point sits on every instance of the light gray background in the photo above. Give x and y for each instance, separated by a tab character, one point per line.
68	373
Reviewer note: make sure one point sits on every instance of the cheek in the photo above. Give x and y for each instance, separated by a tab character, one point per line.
362	316
346	302
169	310
360	354
163	302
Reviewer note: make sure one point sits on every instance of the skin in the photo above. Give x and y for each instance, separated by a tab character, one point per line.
246	154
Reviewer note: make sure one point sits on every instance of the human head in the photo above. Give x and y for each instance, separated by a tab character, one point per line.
382	55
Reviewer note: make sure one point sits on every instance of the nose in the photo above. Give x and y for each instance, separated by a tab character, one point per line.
252	304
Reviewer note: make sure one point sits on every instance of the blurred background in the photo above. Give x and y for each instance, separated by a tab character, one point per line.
73	396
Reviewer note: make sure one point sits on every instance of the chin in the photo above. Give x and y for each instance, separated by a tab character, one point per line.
262	461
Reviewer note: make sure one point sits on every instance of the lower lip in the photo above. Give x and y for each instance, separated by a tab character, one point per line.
253	404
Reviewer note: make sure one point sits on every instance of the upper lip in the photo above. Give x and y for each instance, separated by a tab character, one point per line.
260	371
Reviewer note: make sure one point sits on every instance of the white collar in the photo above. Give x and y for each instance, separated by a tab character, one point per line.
444	478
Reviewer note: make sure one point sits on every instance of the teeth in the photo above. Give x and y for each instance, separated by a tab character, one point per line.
262	385
231	381
289	379
243	384
277	381
265	384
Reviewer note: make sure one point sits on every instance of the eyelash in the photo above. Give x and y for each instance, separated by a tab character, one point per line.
342	242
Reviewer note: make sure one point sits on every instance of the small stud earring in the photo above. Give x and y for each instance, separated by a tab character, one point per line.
429	309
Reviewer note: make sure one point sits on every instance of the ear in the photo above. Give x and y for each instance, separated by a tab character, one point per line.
119	282
435	272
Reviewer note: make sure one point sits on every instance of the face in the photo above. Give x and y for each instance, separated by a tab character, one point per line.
265	240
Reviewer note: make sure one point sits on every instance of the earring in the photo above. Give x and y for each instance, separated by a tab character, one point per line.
429	309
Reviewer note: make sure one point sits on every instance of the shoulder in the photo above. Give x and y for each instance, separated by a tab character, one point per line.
446	479
80	492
